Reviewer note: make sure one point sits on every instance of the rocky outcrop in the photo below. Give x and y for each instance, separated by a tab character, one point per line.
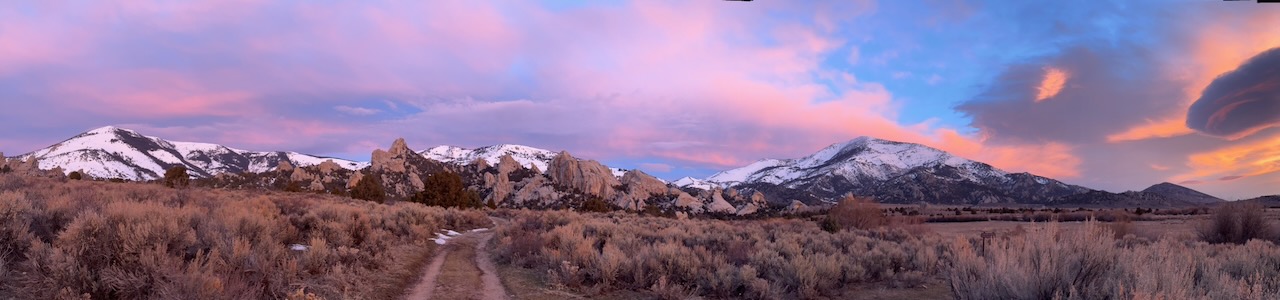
416	182
688	202
536	191
797	206
589	177
328	167
480	164
507	164
300	175
718	204
399	148
754	204
355	178
284	166
392	160
640	187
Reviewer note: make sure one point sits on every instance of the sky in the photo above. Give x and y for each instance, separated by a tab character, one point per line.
1113	95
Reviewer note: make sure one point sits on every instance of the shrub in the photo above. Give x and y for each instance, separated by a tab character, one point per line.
1088	263
176	177
855	212
74	175
84	239
369	188
1237	223
595	204
749	259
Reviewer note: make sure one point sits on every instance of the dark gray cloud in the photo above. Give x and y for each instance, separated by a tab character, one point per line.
1108	88
1240	102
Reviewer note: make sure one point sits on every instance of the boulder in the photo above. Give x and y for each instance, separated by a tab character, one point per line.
588	176
284	166
480	164
718	204
684	200
300	175
640	187
755	203
399	148
316	186
537	190
797	206
507	164
328	166
355	178
502	188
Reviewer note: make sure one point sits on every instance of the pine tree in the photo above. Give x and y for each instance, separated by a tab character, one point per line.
369	188
447	190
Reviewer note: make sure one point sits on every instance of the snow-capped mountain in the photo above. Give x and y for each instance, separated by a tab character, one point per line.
525	155
112	152
891	172
694	183
528	157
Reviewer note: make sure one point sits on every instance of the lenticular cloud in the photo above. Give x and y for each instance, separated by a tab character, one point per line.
1240	102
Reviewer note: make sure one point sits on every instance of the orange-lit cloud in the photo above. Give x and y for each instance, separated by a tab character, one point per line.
1216	48
1050	159
1243	160
1054	80
1153	129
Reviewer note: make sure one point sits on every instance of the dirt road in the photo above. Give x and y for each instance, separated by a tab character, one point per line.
461	270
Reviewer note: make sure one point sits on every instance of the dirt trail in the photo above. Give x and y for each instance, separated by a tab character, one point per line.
461	270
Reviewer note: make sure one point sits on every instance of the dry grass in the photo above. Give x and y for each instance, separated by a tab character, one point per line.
769	259
61	240
1237	223
1088	263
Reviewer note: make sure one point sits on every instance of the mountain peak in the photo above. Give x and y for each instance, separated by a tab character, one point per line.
114	152
1182	193
108	130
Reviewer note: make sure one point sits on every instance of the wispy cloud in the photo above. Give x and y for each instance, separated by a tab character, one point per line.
357	111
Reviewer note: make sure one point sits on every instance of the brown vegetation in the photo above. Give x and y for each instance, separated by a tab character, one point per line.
369	188
176	177
768	259
1237	223
854	212
75	239
1049	263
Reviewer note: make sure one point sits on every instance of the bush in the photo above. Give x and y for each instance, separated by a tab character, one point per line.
595	204
369	188
1237	223
855	212
446	189
84	239
176	177
75	175
1048	262
751	259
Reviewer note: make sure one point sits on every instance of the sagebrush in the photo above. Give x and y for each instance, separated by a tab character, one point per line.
75	239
